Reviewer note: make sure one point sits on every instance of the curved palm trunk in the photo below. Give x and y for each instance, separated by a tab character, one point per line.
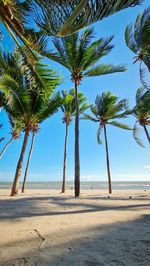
77	159
15	187
6	147
10	27
26	171
65	162
148	137
107	158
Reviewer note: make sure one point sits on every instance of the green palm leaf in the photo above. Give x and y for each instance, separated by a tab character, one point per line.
88	117
104	70
137	39
98	135
68	105
136	135
65	17
129	38
123	126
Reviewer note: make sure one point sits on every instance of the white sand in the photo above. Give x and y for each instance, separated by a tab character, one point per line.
90	230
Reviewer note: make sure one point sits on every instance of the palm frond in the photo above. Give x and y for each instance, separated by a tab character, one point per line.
136	135
137	39
88	117
96	51
142	74
104	70
49	77
114	111
55	57
141	29
61	50
98	135
69	104
139	94
129	38
13	93
83	108
65	17
117	124
50	109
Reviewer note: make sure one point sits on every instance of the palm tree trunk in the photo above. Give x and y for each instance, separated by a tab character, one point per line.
65	157
6	147
77	159
26	171
15	187
145	129
107	158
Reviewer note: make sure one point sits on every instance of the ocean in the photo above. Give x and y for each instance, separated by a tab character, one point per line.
84	185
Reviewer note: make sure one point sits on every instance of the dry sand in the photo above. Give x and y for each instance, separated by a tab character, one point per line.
48	228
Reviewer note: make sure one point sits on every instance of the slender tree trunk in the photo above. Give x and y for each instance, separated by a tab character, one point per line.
77	159
26	171
145	129
15	187
107	158
6	147
65	161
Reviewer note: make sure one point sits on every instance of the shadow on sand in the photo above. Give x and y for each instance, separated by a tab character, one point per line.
116	244
31	206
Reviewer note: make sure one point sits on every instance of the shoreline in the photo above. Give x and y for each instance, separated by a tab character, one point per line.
44	227
98	185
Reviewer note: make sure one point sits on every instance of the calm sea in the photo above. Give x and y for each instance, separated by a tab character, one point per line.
84	185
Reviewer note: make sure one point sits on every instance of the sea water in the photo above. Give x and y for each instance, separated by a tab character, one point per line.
84	185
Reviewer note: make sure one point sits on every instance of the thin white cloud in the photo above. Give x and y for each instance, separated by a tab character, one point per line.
147	166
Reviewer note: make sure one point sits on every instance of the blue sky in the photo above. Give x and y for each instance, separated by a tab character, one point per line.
128	161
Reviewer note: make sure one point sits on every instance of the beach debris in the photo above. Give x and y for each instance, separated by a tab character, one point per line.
108	197
41	237
130	197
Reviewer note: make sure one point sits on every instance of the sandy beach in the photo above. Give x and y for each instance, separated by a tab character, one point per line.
44	227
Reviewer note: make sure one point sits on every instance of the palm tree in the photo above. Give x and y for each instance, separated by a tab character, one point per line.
137	40
14	15
106	109
16	127
68	107
79	56
45	109
61	18
25	98
142	113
